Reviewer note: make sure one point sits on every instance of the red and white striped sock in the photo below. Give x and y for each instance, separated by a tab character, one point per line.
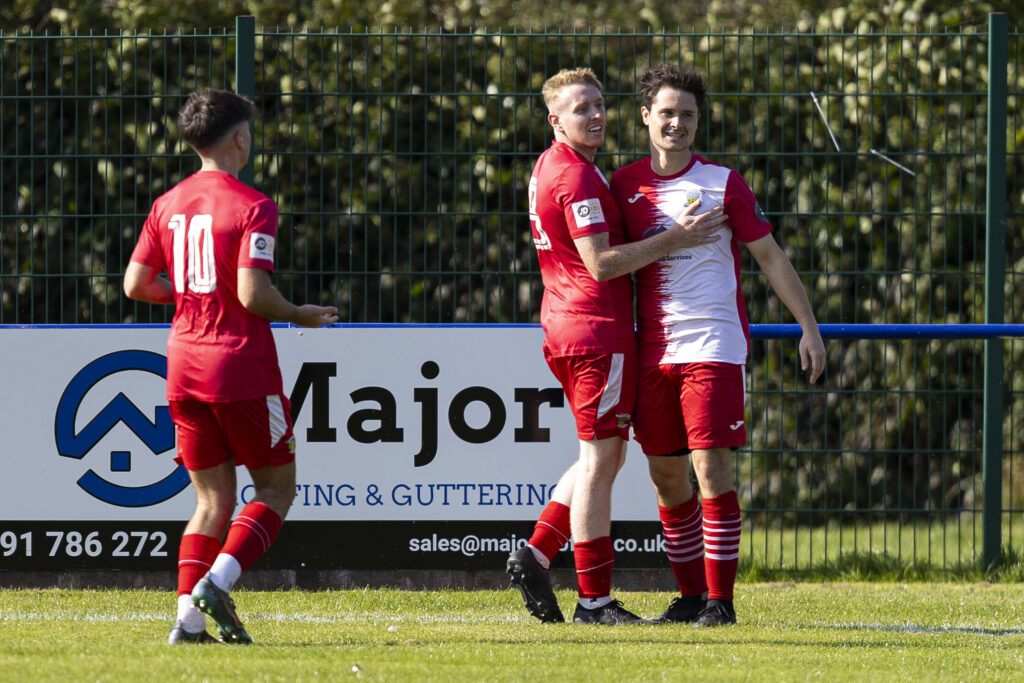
551	532
196	553
594	563
684	545
249	536
723	525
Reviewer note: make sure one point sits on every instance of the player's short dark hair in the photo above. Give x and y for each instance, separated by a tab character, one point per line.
210	113
653	79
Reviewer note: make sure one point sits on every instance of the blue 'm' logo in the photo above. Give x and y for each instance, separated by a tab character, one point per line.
158	435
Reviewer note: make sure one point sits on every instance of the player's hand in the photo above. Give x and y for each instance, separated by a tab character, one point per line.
693	231
812	354
310	315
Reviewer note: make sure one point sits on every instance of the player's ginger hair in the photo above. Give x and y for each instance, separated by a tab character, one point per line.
580	76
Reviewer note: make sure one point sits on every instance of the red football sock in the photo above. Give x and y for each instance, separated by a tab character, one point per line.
594	563
195	555
552	529
722	527
251	533
684	545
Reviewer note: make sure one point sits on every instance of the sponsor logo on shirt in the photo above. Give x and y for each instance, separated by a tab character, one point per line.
587	212
653	230
261	246
635	198
736	426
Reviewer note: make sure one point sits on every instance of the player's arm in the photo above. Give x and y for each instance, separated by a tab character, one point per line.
259	295
146	284
605	262
786	284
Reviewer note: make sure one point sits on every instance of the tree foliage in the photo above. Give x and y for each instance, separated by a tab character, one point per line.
400	157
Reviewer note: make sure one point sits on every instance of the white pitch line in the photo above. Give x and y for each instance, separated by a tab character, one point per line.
914	628
392	619
824	120
292	618
894	163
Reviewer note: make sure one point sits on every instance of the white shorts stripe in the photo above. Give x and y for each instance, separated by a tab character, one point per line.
612	393
278	423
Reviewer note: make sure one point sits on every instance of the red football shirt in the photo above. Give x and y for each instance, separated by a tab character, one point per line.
690	305
569	198
201	232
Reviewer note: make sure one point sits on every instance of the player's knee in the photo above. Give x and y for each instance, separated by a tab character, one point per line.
214	513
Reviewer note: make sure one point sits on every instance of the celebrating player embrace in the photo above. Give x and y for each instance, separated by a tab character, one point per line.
694	338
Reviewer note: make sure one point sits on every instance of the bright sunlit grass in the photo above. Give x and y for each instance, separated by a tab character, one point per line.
836	631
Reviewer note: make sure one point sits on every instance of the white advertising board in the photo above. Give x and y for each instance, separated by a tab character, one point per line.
393	423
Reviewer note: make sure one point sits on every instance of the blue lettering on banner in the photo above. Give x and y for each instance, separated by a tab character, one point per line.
157	435
427	495
419	495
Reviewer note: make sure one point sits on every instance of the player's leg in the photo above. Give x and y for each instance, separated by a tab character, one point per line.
722	528
205	455
599	462
260	434
256	526
249	536
680	515
528	566
661	431
713	404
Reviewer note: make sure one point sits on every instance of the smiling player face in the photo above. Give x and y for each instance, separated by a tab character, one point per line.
671	122
578	117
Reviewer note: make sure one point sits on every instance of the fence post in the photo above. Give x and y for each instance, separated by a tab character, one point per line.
245	68
995	280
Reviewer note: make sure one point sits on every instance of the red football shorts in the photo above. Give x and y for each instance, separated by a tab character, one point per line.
601	389
687	406
256	432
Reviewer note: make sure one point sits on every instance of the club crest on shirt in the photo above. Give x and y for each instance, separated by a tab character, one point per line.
587	212
623	419
261	246
692	196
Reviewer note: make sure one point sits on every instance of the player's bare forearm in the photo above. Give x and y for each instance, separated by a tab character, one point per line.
258	294
605	262
143	283
790	290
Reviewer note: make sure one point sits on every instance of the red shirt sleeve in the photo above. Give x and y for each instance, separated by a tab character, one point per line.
148	250
580	192
746	218
256	248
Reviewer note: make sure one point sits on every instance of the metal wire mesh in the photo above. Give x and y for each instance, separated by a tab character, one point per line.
400	162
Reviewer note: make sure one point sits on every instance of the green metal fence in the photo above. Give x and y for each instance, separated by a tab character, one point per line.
400	162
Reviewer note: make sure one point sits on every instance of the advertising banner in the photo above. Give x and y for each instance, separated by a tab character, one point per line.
417	447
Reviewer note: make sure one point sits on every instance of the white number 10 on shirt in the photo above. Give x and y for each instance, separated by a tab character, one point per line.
202	272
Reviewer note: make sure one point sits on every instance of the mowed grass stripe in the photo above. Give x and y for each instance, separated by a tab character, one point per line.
837	632
969	629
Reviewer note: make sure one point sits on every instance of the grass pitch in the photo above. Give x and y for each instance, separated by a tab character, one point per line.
836	631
